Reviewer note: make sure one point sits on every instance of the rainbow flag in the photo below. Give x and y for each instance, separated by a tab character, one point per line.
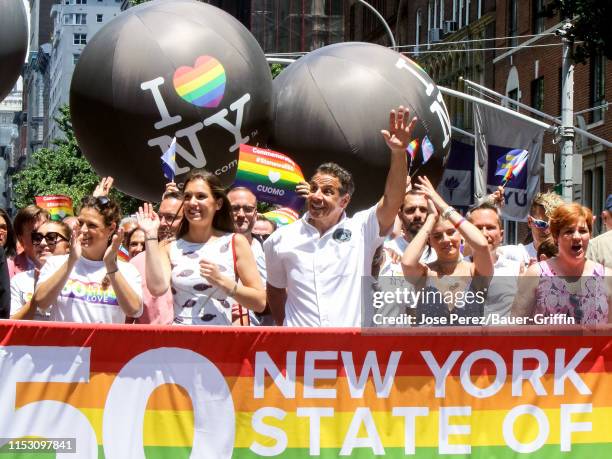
412	148
247	392
272	176
123	254
511	164
58	205
283	216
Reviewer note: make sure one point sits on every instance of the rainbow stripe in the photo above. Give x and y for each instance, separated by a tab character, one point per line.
272	176
168	427
282	216
92	292
412	148
202	85
58	206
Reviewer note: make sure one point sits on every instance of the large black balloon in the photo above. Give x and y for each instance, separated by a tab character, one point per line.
13	43
207	72
331	104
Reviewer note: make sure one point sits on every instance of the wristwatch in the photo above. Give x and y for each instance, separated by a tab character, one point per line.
449	210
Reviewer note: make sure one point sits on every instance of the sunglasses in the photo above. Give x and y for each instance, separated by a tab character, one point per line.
540	224
51	238
101	202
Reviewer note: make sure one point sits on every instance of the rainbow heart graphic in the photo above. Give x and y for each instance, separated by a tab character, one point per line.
203	84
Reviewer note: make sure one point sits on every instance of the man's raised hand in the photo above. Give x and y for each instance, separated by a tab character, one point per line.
399	134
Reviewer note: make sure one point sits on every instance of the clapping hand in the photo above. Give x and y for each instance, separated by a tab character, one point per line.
76	239
110	255
399	134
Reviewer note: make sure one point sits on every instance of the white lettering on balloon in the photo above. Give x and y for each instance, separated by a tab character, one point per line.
437	106
197	158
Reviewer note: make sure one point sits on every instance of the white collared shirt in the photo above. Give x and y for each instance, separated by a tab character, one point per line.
399	246
323	273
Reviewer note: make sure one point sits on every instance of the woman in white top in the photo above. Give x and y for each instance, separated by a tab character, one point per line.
51	238
89	285
209	268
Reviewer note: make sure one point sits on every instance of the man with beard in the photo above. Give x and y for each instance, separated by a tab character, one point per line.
412	214
315	266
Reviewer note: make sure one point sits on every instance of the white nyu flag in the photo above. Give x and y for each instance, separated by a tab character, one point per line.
496	134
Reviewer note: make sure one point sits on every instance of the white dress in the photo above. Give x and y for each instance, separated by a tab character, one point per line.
196	301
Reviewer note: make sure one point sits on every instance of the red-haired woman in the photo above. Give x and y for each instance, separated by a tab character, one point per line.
208	267
567	285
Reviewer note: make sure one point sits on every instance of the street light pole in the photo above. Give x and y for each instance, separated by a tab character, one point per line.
381	19
567	113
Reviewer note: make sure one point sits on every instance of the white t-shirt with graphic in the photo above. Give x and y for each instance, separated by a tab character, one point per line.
22	289
84	298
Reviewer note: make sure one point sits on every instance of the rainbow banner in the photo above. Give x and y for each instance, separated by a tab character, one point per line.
128	391
58	205
282	216
270	175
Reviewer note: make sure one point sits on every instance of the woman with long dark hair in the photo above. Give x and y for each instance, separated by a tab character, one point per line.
208	267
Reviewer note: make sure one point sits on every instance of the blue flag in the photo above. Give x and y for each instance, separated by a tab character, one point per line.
168	161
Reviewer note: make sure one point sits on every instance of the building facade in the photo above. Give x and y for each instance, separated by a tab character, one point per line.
74	23
509	47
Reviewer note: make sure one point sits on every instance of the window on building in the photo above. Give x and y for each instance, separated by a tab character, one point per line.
467	12
537	16
75	19
75	58
461	12
80	2
537	93
514	95
80	39
597	90
512	22
99	17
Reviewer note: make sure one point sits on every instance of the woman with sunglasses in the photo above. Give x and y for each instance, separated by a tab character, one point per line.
51	238
88	284
207	267
568	288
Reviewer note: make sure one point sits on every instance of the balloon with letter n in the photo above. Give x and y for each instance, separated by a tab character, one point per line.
168	69
13	43
331	104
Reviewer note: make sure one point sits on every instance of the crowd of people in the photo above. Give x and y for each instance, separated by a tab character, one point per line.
206	257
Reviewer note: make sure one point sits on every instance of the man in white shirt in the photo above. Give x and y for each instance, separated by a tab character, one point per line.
243	204
315	265
412	214
508	261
